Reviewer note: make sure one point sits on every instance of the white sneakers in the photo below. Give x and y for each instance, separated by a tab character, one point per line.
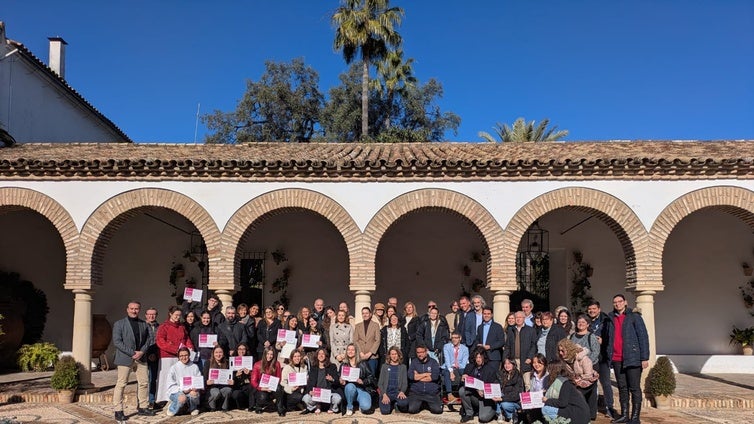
195	412
349	412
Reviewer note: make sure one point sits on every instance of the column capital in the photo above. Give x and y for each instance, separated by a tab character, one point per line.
81	293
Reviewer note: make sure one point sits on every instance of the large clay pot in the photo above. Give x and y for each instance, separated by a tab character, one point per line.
102	334
748	350
662	402
66	396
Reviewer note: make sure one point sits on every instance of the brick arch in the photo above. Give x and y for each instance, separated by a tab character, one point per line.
736	201
109	216
281	201
24	198
620	218
439	199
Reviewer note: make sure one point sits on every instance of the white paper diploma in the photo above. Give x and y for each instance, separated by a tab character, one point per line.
207	340
310	340
191	382
288	336
269	382
473	383
297	379
492	390
321	395
531	400
350	373
192	295
286	350
219	376
240	362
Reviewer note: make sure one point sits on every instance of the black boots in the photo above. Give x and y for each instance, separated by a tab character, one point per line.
623	418
635	412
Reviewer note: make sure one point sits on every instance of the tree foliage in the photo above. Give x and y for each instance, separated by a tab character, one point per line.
284	105
523	131
366	28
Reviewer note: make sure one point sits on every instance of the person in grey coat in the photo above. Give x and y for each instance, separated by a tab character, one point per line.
131	340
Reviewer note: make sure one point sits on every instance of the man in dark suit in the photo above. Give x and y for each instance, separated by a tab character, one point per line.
490	336
131	340
522	345
549	336
472	321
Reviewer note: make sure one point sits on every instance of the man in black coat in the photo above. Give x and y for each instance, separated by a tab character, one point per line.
549	336
522	345
131	340
600	327
231	332
490	336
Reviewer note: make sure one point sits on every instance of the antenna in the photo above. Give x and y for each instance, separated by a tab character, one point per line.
196	126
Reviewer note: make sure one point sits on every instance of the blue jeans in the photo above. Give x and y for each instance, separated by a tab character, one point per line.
387	409
176	405
549	412
509	408
153	372
447	382
356	393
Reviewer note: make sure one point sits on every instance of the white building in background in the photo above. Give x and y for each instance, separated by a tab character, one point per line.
38	105
669	223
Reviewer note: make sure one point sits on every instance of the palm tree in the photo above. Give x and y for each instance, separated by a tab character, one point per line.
395	76
366	27
523	131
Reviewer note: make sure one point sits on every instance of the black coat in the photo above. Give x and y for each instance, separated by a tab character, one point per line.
511	386
267	333
486	373
331	370
404	344
570	404
442	335
230	335
556	334
495	339
413	326
527	339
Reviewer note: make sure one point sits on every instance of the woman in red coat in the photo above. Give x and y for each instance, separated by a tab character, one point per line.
171	336
261	397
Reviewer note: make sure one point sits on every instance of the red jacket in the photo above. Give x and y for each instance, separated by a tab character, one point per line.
256	373
170	336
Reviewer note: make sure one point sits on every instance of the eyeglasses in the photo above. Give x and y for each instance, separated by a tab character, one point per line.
431	306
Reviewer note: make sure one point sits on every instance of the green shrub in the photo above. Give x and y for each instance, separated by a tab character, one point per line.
661	379
66	375
37	356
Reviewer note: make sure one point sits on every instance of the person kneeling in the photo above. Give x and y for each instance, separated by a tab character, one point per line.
393	383
261	395
472	399
180	395
425	374
361	389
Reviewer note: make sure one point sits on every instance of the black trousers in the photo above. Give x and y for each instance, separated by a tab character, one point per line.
629	381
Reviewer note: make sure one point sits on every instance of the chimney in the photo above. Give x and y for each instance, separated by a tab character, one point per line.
57	55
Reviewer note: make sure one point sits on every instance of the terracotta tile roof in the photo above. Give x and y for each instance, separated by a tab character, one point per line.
412	161
55	77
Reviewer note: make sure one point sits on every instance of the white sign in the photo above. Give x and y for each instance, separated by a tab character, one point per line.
297	379
531	400
269	382
310	340
473	383
192	295
492	390
220	376
288	336
286	350
321	395
207	340
240	362
191	382
350	373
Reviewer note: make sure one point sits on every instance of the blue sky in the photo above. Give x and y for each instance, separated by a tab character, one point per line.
604	70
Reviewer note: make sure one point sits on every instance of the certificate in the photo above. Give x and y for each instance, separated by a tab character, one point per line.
219	376
473	383
207	340
321	395
297	379
269	382
240	362
350	373
310	340
492	390
287	336
286	350
531	400
191	382
192	295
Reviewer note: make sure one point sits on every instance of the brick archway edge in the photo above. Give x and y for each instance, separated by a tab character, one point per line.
108	217
50	209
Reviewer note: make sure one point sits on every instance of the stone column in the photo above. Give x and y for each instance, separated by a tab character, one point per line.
226	298
646	302
362	298
82	334
501	305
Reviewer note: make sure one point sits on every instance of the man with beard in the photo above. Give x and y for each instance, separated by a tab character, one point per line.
231	332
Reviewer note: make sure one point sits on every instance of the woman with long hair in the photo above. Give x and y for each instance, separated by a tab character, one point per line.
563	319
267	331
291	396
393	382
261	397
361	390
190	321
314	329
583	375
394	335
539	382
411	322
303	317
511	386
562	399
218	390
203	327
254	313
341	334
171	336
473	400
323	375
241	380
291	324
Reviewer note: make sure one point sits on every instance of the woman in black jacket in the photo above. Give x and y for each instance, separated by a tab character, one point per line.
360	390
322	375
394	334
511	385
472	399
562	399
267	331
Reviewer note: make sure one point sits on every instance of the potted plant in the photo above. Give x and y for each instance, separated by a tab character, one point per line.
744	337
37	357
661	382
65	379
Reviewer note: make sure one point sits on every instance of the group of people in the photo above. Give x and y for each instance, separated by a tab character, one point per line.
327	362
